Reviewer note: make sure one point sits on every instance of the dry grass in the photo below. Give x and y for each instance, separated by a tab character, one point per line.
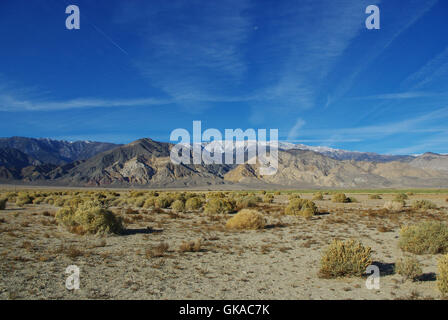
157	251
394	204
73	252
409	268
190	246
442	275
423	205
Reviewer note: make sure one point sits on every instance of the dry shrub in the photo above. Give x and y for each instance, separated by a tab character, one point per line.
348	258
423	204
89	218
340	198
139	202
426	237
163	202
60	201
294	196
136	194
178	206
211	195
191	246
157	251
247	202
268	198
149	202
38	200
153	193
11	196
442	275
219	205
277	193
401	197
394	204
73	252
246	219
23	198
301	207
374	196
409	268
318	196
3	203
383	228
193	204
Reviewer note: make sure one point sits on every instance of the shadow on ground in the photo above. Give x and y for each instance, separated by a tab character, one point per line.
322	213
148	230
430	276
386	269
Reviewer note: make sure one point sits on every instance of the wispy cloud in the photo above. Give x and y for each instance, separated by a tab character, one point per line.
295	130
411	13
400	95
311	39
12	103
417	124
191	50
434	69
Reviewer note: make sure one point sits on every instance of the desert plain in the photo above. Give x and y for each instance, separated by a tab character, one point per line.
189	254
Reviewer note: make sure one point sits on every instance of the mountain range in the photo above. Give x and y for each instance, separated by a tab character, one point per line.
146	162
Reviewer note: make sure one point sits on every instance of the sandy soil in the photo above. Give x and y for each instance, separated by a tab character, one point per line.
278	262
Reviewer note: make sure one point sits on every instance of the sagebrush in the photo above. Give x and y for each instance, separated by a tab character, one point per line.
442	275
246	219
408	267
89	217
345	258
430	237
301	207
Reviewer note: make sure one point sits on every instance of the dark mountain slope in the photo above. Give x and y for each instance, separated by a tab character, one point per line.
55	151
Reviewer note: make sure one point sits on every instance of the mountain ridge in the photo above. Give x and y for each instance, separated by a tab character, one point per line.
57	152
146	162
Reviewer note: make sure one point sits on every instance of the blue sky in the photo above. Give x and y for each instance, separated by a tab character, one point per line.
309	68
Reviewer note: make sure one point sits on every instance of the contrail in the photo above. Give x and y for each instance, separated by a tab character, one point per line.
108	38
84	16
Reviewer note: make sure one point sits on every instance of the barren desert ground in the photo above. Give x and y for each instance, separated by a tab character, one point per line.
164	253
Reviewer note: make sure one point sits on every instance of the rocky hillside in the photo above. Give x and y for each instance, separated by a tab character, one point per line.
303	168
340	154
146	162
431	161
141	162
